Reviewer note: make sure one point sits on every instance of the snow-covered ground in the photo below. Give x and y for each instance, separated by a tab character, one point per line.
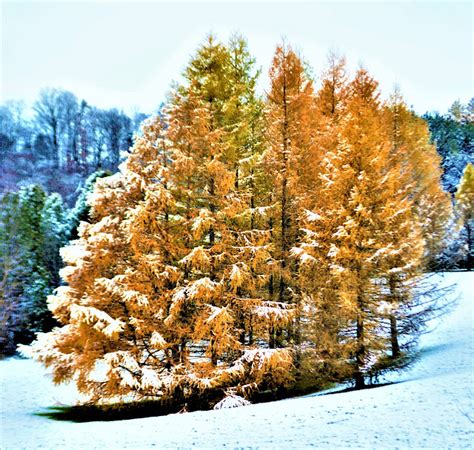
431	406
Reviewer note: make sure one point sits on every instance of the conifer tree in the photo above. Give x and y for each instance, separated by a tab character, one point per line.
330	98
323	318
80	211
54	229
12	274
222	246
465	211
32	238
32	231
159	282
359	231
113	296
419	178
421	173
238	235
290	159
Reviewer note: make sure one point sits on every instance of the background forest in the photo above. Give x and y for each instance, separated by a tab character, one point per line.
247	242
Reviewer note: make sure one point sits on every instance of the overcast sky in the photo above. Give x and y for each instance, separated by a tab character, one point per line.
126	54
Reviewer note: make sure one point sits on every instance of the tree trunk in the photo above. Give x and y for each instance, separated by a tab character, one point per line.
271	340
241	320
360	355
251	332
394	337
393	320
56	156
284	197
469	246
270	279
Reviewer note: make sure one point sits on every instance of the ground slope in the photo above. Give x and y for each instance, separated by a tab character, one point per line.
431	405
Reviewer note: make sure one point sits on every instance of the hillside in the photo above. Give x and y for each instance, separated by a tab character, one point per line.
431	405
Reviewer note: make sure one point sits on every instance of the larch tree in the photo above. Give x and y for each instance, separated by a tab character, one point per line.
330	98
242	234
113	293
212	133
359	231
420	180
330	102
421	172
322	317
290	159
157	283
465	211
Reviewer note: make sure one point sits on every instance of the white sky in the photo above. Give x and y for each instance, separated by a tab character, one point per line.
126	54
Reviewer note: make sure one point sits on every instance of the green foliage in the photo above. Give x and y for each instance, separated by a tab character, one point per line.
12	274
80	212
453	135
32	230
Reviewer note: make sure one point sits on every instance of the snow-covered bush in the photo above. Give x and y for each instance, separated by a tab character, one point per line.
231	401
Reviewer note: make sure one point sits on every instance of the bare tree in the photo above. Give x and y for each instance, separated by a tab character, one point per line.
56	114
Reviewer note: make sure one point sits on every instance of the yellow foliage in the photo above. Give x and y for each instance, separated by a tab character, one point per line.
235	225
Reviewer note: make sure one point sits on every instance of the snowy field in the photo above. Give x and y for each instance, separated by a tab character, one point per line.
431	405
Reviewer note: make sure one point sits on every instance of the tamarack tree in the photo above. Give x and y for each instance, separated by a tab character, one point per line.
465	212
359	234
246	243
420	174
160	288
289	157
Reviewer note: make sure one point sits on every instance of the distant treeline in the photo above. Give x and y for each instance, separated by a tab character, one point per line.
453	135
68	136
60	141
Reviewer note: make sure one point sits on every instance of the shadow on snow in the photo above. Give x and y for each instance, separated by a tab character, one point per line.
95	413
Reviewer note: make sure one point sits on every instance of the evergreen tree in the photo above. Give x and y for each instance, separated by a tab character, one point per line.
32	227
53	227
12	274
80	212
453	135
35	289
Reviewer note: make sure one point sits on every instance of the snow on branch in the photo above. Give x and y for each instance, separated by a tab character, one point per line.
202	289
135	297
157	340
218	315
73	253
312	216
202	223
305	258
239	274
275	312
99	320
197	258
